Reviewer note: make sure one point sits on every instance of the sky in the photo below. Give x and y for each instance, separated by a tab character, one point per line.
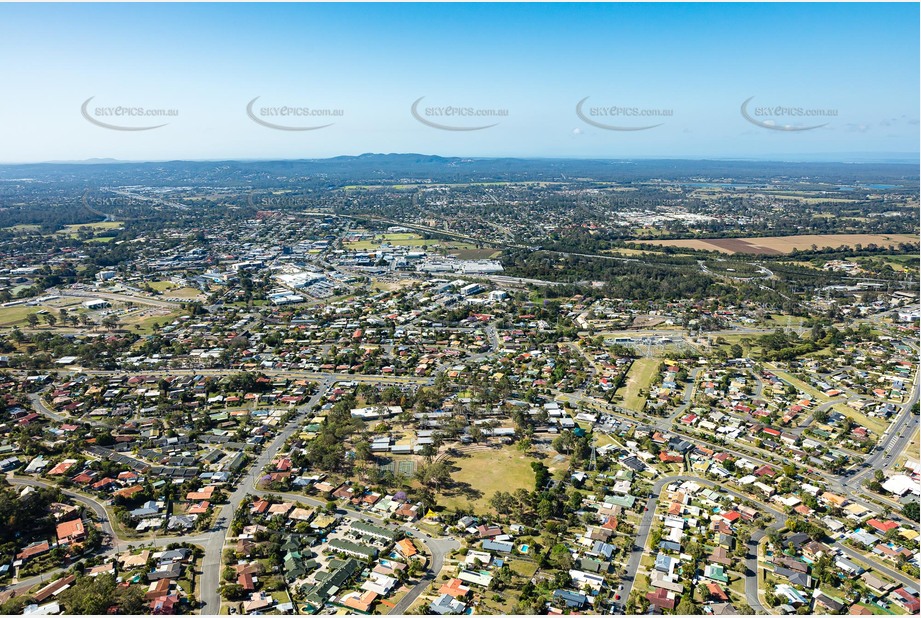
829	81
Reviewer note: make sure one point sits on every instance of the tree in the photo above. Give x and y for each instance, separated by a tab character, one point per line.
50	319
32	319
502	502
232	592
687	606
541	475
428	453
911	511
427	497
476	434
89	595
363	451
703	591
434	475
560	557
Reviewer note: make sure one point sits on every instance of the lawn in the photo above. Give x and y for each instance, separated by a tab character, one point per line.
642	372
523	568
394	240
99	225
161	286
463	251
875	609
184	293
73	230
483	473
737	586
787	321
146	323
17	315
751	350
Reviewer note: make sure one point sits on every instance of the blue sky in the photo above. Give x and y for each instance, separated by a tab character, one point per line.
696	62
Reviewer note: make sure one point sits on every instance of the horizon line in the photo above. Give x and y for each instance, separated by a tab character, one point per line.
855	159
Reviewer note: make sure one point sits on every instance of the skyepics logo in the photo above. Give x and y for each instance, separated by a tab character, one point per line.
592	114
125	117
116	205
284	114
272	201
778	117
455	118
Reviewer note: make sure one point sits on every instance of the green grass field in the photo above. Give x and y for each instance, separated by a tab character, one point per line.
73	230
146	323
786	321
394	240
161	286
642	373
10	316
876	610
461	250
488	472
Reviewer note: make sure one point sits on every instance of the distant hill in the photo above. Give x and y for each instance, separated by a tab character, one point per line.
373	168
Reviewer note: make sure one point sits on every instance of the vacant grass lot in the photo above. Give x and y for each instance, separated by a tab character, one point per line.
183	293
482	473
642	373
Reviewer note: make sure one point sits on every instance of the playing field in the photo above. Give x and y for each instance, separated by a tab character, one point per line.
72	230
642	373
17	314
779	245
161	286
393	240
486	472
185	293
146	319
